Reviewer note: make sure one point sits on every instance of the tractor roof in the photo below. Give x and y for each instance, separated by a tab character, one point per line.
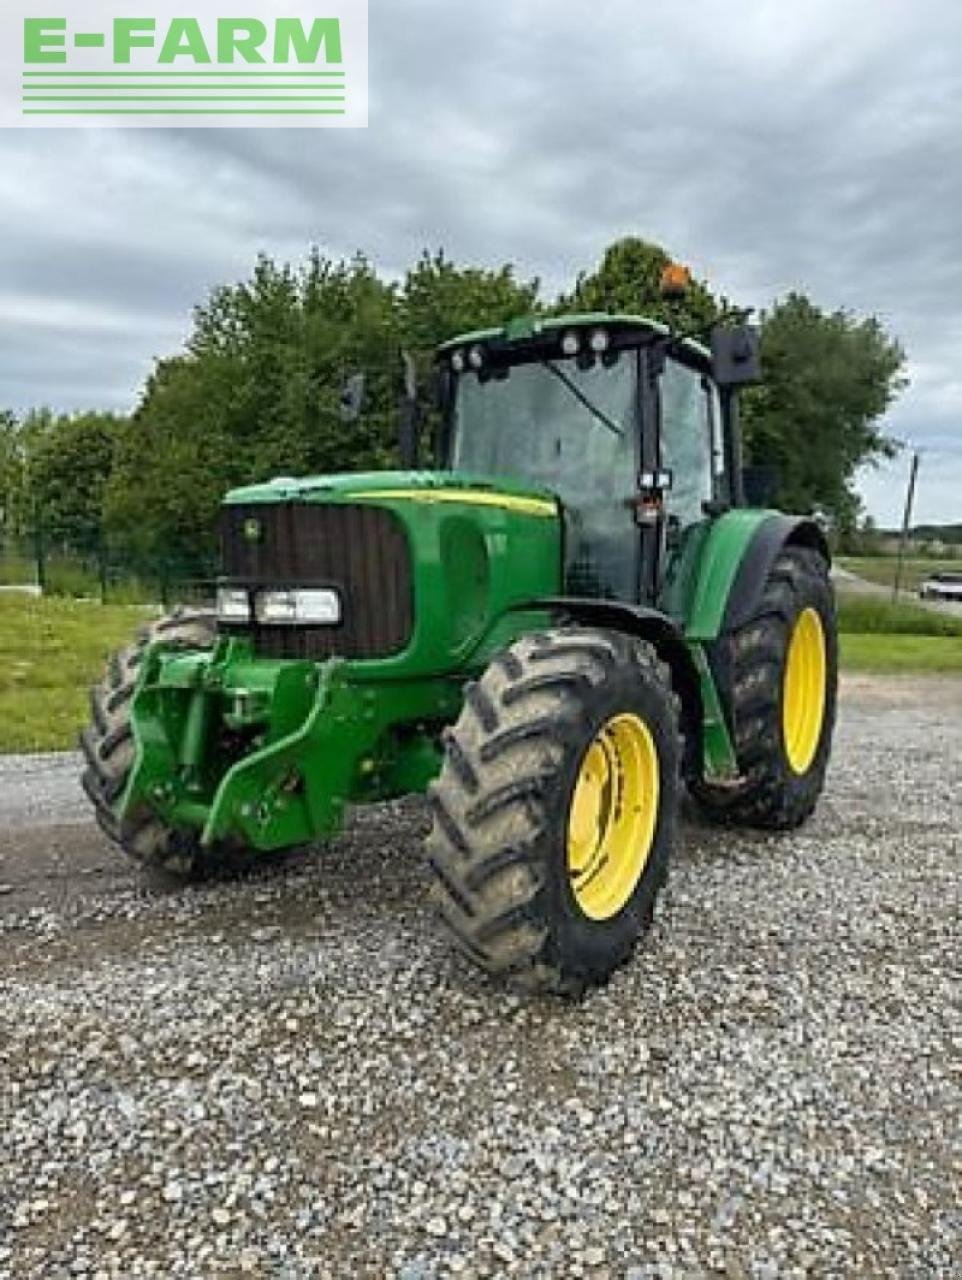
527	327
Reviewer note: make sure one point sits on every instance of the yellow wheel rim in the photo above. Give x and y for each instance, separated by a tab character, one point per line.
803	694
611	822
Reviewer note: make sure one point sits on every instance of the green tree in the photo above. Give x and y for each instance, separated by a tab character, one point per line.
257	392
11	476
816	417
255	395
69	460
290	339
169	467
628	280
439	300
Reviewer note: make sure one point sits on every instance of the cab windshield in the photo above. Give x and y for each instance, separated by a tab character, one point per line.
570	429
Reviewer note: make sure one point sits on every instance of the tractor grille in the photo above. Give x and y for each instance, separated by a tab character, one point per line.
362	551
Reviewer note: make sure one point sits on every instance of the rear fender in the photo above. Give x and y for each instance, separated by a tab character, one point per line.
738	555
769	541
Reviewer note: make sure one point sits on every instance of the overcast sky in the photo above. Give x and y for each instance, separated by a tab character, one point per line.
813	146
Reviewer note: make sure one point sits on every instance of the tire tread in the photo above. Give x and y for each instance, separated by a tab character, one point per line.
491	804
107	746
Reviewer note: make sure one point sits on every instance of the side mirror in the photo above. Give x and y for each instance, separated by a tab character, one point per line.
352	398
735	355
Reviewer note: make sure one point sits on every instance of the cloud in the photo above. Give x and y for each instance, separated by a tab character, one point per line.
812	147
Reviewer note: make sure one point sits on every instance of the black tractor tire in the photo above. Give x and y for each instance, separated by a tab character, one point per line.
750	668
499	843
108	747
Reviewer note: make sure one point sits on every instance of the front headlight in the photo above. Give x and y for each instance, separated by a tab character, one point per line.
319	606
233	605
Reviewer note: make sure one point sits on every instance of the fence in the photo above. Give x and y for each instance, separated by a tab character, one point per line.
106	575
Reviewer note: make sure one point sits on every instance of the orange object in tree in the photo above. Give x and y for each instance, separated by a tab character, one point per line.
675	279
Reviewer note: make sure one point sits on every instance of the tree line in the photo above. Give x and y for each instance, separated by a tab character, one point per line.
256	392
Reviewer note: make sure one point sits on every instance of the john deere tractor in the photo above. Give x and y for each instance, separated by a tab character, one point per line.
570	615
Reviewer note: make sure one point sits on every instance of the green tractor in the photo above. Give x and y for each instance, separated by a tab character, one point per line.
571	615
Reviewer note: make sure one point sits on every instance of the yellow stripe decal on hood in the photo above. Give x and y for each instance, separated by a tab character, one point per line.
507	502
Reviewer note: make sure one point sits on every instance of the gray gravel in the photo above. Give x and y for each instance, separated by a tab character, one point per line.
40	789
291	1075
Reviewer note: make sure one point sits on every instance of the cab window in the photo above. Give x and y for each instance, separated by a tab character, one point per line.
688	449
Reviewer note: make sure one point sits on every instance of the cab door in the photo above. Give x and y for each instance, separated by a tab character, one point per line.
690	449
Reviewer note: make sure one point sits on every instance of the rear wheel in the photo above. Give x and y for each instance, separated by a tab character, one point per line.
778	677
554	813
108	747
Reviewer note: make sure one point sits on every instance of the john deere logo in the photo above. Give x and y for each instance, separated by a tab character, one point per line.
253	529
283	62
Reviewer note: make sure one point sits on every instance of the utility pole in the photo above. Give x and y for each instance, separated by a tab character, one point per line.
40	545
906	521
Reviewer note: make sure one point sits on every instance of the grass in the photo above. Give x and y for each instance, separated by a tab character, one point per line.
69	578
901	654
72	578
876	636
16	571
881	569
875	615
51	651
65	577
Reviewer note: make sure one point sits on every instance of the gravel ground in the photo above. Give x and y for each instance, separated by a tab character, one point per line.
41	790
290	1074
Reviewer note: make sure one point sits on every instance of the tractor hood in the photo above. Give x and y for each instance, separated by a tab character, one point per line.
429	568
430	487
423	576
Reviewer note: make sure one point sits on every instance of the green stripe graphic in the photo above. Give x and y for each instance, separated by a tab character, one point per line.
182	88
178	74
190	97
251	89
179	111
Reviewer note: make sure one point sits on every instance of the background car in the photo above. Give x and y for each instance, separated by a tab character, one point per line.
941	586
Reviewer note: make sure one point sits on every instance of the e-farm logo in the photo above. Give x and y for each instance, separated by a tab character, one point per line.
275	63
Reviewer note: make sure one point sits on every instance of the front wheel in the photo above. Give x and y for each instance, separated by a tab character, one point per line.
554	814
108	748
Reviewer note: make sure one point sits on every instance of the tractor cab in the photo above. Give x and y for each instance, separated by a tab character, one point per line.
619	418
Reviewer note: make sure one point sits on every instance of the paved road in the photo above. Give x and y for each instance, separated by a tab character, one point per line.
851	583
290	1074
